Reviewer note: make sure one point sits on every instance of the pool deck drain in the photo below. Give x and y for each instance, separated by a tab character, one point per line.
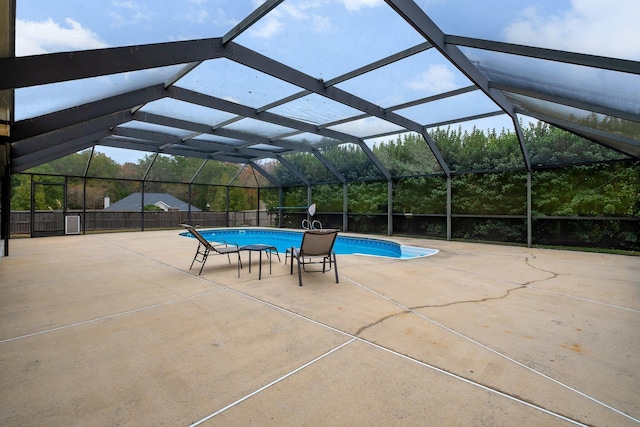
114	329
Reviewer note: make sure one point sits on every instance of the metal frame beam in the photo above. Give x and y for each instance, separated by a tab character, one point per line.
329	165
52	139
443	95
419	20
252	18
587	106
465	119
266	174
205	129
248	112
116	141
269	66
380	63
623	145
86	112
53	135
294	170
36	70
147	135
46	154
613	64
363	145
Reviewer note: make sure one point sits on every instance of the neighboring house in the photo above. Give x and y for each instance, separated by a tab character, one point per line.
166	202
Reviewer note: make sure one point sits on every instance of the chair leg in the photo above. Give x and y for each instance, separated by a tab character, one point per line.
285	260
239	263
299	270
277	253
205	254
194	257
335	266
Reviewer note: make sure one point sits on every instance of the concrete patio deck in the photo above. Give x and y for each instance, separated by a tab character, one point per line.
113	329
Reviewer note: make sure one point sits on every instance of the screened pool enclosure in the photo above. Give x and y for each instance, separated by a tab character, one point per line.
404	128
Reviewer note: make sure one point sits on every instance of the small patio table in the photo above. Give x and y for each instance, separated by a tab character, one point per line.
260	249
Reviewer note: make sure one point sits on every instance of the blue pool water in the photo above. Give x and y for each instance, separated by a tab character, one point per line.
283	240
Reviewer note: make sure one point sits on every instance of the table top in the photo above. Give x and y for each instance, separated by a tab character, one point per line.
256	247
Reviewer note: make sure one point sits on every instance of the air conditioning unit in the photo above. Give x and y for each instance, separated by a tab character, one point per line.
72	224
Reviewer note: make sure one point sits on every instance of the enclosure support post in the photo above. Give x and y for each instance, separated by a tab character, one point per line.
345	207
258	210
448	208
309	198
142	206
389	208
280	207
5	205
227	204
7	108
84	204
190	204
529	219
32	217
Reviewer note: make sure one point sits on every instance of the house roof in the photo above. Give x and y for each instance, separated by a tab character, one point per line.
133	202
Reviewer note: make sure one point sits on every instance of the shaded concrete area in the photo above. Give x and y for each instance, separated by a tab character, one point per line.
114	329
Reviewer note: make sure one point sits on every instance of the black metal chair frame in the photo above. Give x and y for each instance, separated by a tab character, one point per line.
310	253
205	248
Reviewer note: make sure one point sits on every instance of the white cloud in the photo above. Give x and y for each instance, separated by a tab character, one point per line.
296	11
322	24
436	79
303	12
133	13
591	26
222	20
198	17
275	22
267	28
36	38
356	5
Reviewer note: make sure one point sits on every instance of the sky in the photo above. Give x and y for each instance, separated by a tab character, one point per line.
323	38
590	26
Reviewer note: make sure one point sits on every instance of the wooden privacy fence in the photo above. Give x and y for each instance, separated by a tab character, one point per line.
101	220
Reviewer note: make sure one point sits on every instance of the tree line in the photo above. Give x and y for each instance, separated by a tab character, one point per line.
488	167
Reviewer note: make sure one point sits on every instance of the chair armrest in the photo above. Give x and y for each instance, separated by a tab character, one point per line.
226	244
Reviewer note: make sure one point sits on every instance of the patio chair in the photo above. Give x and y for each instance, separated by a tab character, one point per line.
205	248
316	248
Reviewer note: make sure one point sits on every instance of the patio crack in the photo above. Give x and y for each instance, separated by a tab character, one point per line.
411	309
506	294
382	319
481	300
553	274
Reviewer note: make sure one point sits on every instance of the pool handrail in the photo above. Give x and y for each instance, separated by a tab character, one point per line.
315	225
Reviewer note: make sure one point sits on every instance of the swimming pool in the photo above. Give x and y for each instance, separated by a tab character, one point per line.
283	239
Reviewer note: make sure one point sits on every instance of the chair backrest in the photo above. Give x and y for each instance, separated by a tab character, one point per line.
318	242
198	236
